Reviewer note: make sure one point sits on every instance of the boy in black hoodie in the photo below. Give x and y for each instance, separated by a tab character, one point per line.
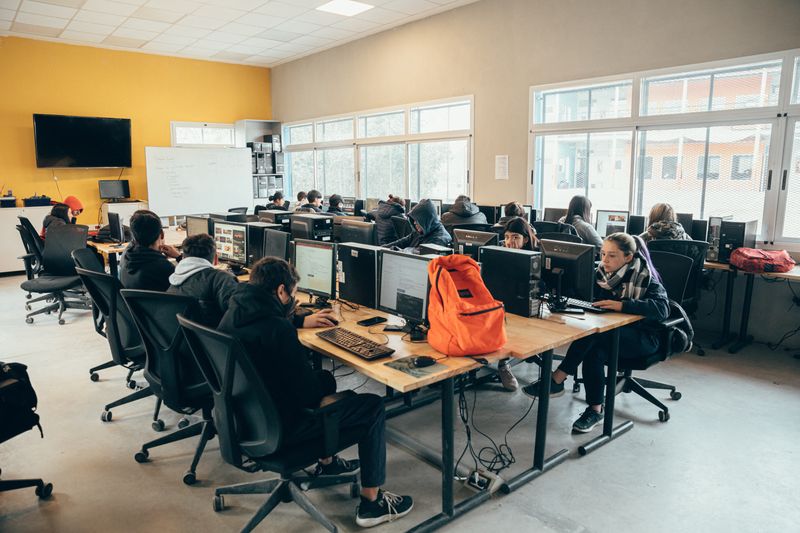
463	211
428	228
259	315
144	264
382	215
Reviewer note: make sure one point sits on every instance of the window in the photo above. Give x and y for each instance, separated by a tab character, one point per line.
583	103
796	82
300	170
336	171
382	168
712	172
646	171
188	134
453	116
299	134
334	130
381	125
669	167
791	220
438	169
742	167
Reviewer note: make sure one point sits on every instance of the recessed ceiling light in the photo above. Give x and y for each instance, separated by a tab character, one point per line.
348	8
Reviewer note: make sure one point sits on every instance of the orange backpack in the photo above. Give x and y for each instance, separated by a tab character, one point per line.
464	317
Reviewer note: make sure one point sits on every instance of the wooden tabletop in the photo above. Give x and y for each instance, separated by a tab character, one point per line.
792	275
172	236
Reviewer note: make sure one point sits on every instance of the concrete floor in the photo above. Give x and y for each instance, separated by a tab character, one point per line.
726	461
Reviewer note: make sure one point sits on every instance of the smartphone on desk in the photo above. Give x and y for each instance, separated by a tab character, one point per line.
371	321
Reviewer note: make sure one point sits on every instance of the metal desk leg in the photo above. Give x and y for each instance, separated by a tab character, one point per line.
744	339
725	337
609	431
540	466
112	264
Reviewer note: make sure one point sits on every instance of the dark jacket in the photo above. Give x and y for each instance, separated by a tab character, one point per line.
257	318
665	229
308	208
144	269
336	211
50	221
585	231
433	231
383	220
211	287
654	304
276	206
463	212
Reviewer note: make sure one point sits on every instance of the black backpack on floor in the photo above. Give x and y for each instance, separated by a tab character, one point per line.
17	401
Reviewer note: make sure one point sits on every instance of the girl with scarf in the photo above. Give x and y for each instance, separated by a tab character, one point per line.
627	282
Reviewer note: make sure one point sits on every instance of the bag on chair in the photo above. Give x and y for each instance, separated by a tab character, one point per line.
464	317
757	261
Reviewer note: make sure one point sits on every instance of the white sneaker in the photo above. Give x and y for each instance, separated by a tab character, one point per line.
506	377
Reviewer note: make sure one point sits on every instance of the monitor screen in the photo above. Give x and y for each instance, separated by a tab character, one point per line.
83	142
438	205
114	189
314	262
404	285
569	267
553	214
116	231
528	209
196	225
609	222
231	242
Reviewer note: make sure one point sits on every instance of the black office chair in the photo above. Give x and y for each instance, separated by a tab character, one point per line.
126	346
238	210
563	237
37	239
249	426
87	259
402	226
32	259
57	279
258	208
674	270
171	370
470	227
696	250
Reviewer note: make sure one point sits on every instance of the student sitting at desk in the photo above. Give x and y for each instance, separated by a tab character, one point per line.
427	228
196	276
664	225
62	213
277	201
382	215
579	215
511	210
144	264
258	317
314	204
520	235
335	205
463	211
628	283
301	200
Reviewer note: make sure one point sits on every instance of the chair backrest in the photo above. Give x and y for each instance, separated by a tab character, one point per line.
87	259
557	236
239	210
545	226
674	270
472	227
170	368
34	266
402	226
696	250
61	241
245	416
104	290
36	238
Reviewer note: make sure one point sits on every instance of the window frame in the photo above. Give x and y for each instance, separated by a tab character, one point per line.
174	124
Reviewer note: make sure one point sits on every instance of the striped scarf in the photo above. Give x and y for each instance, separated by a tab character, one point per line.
629	282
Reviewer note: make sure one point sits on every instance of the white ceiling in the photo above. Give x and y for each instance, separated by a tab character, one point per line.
252	32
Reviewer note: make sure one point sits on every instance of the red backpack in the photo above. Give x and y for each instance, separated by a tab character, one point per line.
464	317
759	261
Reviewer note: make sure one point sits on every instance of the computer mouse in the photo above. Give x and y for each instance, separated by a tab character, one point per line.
335	321
421	361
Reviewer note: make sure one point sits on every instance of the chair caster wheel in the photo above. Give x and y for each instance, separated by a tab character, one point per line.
28	296
44	491
158	425
675	395
141	456
61	321
576	388
29	320
355	490
131	384
189	478
701	352
219	503
94	376
663	416
106	416
27	307
183	422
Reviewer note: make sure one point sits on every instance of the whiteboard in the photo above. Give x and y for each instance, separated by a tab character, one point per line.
184	181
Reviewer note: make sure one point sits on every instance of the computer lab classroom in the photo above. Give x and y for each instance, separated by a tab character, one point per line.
406	265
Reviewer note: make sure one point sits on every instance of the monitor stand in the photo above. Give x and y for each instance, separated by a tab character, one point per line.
318	302
557	303
414	330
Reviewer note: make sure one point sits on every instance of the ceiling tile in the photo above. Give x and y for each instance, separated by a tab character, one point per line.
297	27
174	39
260	20
280	35
50	10
312	40
107	6
241	29
219	13
231	56
319	17
211	45
356	25
381	15
311	4
292	47
149	25
333	33
181	6
41	20
99	18
124	42
161	15
82	37
90	27
134	34
7	14
134	2
197	52
225	37
186	31
281	9
201	22
245	5
65	3
411	7
33	29
162	47
263	43
245	49
5	24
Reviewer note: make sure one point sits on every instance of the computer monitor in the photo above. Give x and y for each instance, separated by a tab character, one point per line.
358	273
371	204
636	224
114	189
116	231
490	212
553	214
437	204
255	240
230	239
468	242
530	213
699	231
685	220
403	288
195	225
316	265
358	231
568	272
230	217
609	222
276	244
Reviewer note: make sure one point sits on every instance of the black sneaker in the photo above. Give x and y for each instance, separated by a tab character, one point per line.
385	508
337	467
587	421
556	389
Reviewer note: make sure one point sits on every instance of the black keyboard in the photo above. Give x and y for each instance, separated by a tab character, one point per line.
587	306
354	343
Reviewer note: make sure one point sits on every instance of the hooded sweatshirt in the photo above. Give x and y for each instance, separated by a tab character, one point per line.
211	287
50	221
258	319
382	216
433	232
145	269
463	212
664	229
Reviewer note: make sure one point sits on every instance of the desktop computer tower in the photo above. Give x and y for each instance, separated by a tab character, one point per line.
735	235
714	232
316	227
277	162
434	249
276	216
357	273
513	276
635	225
255	240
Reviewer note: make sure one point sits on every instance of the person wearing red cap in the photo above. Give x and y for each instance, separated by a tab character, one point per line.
75	207
62	213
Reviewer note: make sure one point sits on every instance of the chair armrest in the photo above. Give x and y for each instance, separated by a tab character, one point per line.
329	412
671	322
28	260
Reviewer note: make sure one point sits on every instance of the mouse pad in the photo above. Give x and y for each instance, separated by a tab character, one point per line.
406	364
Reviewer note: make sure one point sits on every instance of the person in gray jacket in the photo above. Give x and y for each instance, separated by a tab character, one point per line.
579	215
463	211
664	225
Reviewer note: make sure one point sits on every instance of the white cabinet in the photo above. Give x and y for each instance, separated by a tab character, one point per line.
123	209
10	242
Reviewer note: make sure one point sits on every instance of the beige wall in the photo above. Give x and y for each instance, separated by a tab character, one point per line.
496	49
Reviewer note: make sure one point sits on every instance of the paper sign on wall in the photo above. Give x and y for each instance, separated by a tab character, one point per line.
501	167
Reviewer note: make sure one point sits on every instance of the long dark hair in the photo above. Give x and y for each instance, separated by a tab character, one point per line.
521	226
633	244
61	211
581	206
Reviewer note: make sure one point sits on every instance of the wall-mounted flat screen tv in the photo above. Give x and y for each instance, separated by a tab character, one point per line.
83	142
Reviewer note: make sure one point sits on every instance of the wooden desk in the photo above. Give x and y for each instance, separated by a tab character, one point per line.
110	250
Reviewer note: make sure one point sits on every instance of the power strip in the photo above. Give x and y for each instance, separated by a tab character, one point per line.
481	480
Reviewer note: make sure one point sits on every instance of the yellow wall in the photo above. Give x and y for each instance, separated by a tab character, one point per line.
151	90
